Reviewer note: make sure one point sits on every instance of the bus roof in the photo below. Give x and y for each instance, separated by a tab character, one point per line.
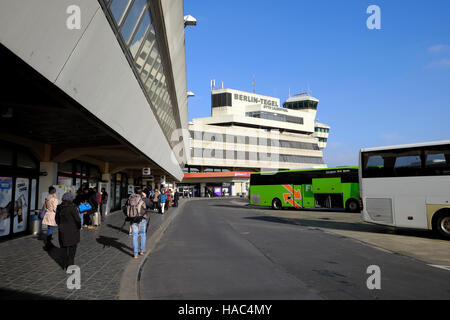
405	146
311	169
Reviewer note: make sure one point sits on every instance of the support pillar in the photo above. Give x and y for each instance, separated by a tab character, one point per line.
49	179
202	190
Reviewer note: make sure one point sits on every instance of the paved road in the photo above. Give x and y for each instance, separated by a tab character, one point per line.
220	249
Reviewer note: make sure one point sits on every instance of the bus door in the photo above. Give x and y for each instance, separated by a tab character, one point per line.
308	196
298	196
289	197
328	192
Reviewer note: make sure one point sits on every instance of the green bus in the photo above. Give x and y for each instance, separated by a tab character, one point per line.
332	188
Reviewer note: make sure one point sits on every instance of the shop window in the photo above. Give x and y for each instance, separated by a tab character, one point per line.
63	180
25	161
6	157
65	168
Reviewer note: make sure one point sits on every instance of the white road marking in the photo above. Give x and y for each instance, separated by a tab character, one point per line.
440	267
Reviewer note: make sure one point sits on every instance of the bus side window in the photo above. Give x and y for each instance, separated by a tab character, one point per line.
437	163
408	165
373	166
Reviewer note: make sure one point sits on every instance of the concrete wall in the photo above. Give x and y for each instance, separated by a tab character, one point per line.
89	65
173	12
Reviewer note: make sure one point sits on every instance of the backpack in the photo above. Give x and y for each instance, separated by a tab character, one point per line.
84	207
135	206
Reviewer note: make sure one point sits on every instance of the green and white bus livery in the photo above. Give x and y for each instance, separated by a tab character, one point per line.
331	188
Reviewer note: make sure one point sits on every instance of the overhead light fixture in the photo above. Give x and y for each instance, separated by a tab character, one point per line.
189	21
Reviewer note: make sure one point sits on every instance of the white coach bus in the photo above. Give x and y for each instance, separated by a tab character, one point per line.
407	186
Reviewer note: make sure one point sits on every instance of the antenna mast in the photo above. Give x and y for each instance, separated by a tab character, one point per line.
254	86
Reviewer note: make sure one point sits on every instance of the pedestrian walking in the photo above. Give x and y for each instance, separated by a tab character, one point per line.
50	203
93	201
79	199
86	214
176	197
147	201
168	199
162	198
69	225
103	203
138	217
155	200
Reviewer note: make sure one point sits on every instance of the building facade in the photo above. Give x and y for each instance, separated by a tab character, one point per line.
94	92
249	132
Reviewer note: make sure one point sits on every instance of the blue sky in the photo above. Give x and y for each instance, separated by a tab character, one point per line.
376	87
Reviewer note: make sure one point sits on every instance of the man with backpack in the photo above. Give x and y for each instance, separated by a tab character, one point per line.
138	218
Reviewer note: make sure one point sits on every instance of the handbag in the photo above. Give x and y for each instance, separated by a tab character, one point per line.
43	211
84	206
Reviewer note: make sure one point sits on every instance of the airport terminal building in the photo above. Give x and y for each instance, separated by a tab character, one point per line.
248	132
93	92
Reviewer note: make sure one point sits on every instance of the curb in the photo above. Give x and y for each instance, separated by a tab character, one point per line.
129	282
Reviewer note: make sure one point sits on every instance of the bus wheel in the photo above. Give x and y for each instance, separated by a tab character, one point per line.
442	224
352	206
276	204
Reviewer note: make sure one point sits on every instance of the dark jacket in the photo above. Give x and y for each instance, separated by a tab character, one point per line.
104	197
148	202
93	201
69	224
79	198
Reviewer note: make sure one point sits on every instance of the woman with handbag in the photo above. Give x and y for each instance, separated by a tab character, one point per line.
50	203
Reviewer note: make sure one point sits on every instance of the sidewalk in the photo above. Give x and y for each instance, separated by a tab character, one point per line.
29	272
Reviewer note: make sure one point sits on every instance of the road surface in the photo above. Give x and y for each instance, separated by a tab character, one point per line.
222	249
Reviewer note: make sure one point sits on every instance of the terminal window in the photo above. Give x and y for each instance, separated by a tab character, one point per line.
221	100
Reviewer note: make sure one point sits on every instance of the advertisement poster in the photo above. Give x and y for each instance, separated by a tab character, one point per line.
71	189
21	205
5	205
60	190
67	181
218	191
130	189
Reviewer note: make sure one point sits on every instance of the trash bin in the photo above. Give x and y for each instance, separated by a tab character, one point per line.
36	224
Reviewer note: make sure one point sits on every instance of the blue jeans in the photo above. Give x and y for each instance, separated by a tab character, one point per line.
50	230
139	229
81	218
